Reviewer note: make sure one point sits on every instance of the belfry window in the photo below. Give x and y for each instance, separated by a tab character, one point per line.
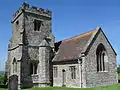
37	25
102	60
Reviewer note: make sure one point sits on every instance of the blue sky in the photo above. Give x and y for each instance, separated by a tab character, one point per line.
70	18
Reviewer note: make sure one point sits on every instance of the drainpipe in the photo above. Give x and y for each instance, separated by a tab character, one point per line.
80	71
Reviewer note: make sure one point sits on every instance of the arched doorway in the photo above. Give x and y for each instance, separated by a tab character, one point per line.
63	78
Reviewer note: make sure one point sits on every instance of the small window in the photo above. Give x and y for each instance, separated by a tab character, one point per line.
17	25
33	68
73	72
14	65
55	72
17	22
37	25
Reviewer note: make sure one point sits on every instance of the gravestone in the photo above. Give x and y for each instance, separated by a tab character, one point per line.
13	82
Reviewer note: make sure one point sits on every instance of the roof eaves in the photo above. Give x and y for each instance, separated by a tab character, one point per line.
109	42
90	40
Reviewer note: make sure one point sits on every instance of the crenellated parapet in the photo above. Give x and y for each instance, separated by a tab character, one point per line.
32	9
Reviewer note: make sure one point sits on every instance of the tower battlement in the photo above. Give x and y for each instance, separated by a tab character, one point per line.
32	9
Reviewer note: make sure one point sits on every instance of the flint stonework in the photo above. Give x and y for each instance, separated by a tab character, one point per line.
33	53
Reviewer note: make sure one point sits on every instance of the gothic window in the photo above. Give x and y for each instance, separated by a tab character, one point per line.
14	65
33	68
37	25
73	72
102	60
55	72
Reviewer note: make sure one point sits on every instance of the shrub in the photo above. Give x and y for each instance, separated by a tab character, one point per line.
1	79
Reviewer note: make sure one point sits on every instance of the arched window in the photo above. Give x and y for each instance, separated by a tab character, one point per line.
14	65
102	60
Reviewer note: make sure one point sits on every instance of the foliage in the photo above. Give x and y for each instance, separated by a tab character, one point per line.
1	79
5	78
1	72
118	69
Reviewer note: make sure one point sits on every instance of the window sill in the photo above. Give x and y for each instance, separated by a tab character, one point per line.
101	71
15	73
35	77
54	77
34	74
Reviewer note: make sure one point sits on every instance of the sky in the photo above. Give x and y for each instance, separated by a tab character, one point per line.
69	18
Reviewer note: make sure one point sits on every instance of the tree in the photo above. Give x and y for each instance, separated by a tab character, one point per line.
118	69
5	79
1	79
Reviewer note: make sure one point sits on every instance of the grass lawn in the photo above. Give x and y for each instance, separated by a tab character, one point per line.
111	87
2	89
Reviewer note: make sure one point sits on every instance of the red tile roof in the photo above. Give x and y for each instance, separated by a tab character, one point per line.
71	48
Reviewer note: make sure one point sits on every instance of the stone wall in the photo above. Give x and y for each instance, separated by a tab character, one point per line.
32	40
25	47
16	29
25	41
95	78
69	82
33	37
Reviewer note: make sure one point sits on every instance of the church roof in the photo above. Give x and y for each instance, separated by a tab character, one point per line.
72	48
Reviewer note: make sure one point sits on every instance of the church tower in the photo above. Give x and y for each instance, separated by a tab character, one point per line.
31	47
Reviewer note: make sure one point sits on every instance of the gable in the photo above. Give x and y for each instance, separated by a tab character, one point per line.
100	32
71	49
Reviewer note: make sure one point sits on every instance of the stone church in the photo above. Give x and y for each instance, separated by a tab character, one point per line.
86	60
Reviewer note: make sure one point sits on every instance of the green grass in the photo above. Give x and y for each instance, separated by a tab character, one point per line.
2	89
111	87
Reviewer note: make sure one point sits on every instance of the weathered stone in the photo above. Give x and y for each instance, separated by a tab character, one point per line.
33	53
13	82
25	47
95	78
86	72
